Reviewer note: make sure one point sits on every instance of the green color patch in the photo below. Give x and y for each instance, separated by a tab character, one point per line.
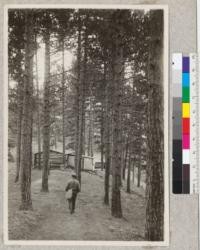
185	94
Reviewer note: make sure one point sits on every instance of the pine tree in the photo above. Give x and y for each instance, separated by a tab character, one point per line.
38	109
78	148
26	151
107	142
19	127
155	164
46	111
16	57
117	66
63	99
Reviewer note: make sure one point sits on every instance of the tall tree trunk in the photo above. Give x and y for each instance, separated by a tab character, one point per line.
128	187
139	171
102	137
107	164
133	173
103	120
84	137
46	127
77	105
125	160
121	127
63	100
55	130
155	139
38	111
90	128
107	142
19	126
117	66
82	106
26	155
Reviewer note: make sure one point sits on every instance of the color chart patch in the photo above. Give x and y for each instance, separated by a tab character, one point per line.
185	111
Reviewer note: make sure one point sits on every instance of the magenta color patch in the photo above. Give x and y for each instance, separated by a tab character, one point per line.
186	141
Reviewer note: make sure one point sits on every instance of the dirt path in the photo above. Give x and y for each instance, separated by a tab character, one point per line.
92	220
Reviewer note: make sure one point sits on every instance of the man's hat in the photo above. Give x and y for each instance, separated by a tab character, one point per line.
74	175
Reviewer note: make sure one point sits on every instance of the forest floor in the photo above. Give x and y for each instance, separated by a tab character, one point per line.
50	218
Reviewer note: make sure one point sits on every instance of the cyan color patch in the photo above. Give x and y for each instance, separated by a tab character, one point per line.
185	79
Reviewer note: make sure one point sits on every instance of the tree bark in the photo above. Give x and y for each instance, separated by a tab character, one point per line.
78	111
125	160
116	209
46	127
63	101
103	117
26	150
107	142
128	187
139	171
92	128
107	164
55	131
89	147
102	137
133	173
82	106
38	112
19	127
155	140
121	126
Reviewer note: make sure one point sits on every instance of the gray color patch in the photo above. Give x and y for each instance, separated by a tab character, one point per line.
177	90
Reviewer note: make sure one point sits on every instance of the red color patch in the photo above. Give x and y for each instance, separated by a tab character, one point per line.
186	125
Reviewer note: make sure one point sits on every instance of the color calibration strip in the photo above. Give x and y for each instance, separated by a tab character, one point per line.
185	125
185	167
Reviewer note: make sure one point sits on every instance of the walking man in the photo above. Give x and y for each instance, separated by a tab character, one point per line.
74	186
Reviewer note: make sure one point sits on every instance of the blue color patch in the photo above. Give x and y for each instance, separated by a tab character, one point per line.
185	79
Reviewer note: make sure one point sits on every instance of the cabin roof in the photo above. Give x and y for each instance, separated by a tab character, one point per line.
69	154
84	156
53	151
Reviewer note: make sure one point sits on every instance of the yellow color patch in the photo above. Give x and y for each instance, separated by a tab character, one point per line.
185	110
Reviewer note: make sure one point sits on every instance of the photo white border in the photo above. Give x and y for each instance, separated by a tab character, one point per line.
166	129
198	53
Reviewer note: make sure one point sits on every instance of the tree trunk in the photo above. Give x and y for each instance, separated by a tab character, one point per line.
84	139
55	132
103	107
90	129
125	160
117	66
46	127
107	143
107	165
78	108
102	137
26	150
139	171
63	101
121	129
19	127
128	188
82	106
38	112
133	173
155	140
